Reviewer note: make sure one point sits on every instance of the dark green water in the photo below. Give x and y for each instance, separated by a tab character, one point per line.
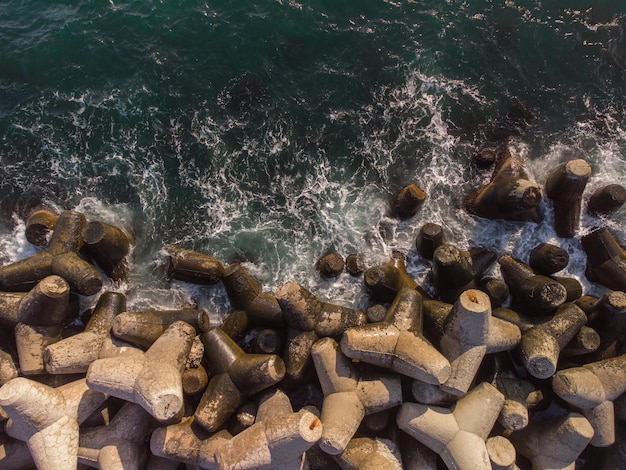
274	131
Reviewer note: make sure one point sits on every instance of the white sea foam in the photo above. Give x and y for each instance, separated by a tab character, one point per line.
281	206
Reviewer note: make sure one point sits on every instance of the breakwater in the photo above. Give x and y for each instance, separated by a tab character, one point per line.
479	372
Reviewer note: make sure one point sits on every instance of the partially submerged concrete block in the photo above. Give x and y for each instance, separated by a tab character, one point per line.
564	186
60	257
606	200
366	453
547	258
109	246
509	195
330	265
245	293
408	201
193	266
429	238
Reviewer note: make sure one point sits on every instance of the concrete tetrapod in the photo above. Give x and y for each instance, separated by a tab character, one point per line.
243	418
458	434
366	453
60	257
330	265
188	443
501	453
553	444
38	225
122	440
464	341
46	304
452	272
592	389
503	335
348	395
415	455
564	187
547	259
541	345
41	315
74	354
235	376
608	317
537	294
408	200
355	264
383	282
606	259
397	342
497	290
245	293
519	395
109	246
309	319
586	341
303	311
9	308
429	238
144	328
606	200
278	438
193	266
455	270
47	418
153	379
509	195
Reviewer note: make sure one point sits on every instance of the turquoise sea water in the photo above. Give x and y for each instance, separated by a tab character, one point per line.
275	131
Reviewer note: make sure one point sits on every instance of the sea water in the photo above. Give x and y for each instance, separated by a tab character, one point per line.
273	132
